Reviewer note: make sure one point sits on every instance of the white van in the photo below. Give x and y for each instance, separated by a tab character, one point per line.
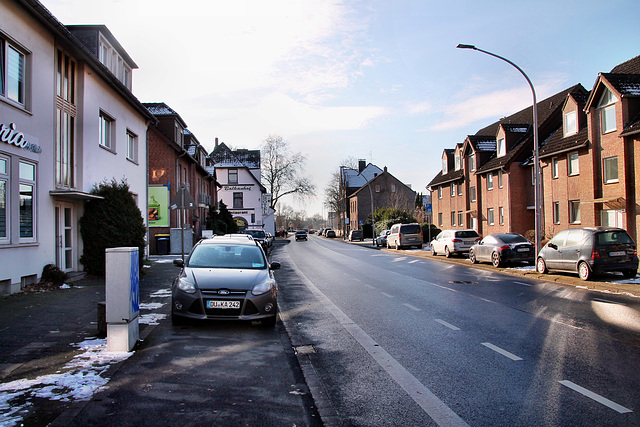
405	235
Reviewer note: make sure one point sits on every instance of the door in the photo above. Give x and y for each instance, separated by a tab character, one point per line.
65	242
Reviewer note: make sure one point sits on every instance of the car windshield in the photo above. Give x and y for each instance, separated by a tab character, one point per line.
609	237
466	234
226	256
513	238
410	229
258	234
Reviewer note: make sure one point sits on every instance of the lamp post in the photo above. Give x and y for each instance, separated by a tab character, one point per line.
373	220
537	189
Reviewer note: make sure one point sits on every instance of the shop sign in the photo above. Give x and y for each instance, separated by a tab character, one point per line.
9	135
237	187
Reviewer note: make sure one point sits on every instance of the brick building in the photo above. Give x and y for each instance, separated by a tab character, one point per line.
177	160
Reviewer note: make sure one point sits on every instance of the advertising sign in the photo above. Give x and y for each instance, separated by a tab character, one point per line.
158	206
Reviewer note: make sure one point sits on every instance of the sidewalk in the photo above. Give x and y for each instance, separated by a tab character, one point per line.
603	283
55	371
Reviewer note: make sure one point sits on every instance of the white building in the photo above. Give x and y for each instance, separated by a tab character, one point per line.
67	122
246	198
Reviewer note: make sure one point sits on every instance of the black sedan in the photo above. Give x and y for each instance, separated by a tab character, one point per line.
502	248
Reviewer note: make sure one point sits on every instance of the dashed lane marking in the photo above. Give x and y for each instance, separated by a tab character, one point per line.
603	400
447	324
501	351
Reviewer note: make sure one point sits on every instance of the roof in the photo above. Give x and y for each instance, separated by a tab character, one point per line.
444	179
496	162
354	179
632	66
625	84
223	157
482	142
374	180
633	127
557	143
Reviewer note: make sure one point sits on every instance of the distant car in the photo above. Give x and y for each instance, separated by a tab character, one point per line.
381	240
226	278
301	235
588	251
356	235
405	235
451	242
502	248
330	233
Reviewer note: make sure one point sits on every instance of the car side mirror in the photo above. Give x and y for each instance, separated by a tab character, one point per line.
275	265
178	263
553	246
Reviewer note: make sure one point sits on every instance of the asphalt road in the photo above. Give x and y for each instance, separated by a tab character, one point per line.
397	340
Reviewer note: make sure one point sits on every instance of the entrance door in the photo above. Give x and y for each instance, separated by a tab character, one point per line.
65	248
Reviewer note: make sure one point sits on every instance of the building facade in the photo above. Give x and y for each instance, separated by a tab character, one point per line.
68	121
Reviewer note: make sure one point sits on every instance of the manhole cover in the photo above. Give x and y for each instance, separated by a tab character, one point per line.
463	282
305	349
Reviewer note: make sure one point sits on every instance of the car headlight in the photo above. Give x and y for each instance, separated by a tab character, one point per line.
262	288
186	285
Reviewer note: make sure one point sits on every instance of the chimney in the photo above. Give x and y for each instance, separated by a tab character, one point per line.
362	163
216	142
385	168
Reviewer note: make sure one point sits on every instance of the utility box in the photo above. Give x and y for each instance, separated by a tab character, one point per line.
122	298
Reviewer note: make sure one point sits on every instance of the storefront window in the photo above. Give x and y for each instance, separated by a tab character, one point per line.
27	200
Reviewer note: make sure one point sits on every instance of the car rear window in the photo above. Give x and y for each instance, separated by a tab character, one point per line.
258	234
513	238
410	229
609	237
466	234
226	256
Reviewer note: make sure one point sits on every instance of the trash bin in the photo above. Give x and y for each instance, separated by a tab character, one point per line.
162	244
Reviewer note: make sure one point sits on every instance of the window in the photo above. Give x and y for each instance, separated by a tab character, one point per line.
440	192
570	123
65	120
610	170
237	201
472	162
460	189
106	131
12	72
444	165
27	185
502	149
453	218
4	185
132	146
574	164
460	218
554	168
458	162
440	219
574	211
607	109
556	212
490	181
499	179
377	187
501	215
178	135
453	190
472	194
490	220
232	176
393	188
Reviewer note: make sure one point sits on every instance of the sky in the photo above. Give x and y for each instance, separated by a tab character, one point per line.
377	80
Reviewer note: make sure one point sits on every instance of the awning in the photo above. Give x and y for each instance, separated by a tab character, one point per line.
74	195
472	212
612	202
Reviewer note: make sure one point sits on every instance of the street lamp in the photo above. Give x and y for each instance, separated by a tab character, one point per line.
536	159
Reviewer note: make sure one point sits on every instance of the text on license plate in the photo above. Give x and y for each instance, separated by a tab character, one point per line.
523	249
223	304
617	253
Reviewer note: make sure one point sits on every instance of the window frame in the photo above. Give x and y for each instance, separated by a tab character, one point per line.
606	168
490	181
232	172
460	218
500	178
472	162
570	123
556	212
238	200
15	95
555	168
574	212
32	183
472	194
5	198
453	218
490	216
501	215
501	147
132	146
570	164
453	189
106	124
440	219
440	192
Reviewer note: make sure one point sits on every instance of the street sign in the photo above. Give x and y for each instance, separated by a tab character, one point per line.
182	199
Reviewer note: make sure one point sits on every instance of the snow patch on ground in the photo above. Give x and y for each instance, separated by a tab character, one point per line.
150	305
151	318
162	293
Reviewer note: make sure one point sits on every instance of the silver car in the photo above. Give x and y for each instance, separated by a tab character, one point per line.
225	278
451	242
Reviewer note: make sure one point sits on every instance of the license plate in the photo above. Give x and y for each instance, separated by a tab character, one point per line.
618	253
223	304
523	250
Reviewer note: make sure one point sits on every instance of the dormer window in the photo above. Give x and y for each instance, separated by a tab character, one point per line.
607	109
472	162
458	162
178	135
570	123
502	148
444	166
114	62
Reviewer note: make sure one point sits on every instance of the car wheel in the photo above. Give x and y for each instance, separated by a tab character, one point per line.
629	274
584	271
495	259
447	252
472	257
541	266
419	247
433	251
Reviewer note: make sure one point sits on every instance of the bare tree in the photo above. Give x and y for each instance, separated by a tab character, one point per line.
282	171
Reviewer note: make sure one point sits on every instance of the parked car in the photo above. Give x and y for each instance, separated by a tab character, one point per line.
401	235
588	251
502	248
301	235
227	278
329	233
381	239
259	235
269	239
452	242
356	235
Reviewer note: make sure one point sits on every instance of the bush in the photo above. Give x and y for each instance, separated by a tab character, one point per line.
52	274
221	222
425	232
115	221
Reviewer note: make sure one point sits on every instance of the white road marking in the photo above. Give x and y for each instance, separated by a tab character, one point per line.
369	286
603	400
608	301
523	284
440	413
447	324
411	307
386	295
414	261
501	351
